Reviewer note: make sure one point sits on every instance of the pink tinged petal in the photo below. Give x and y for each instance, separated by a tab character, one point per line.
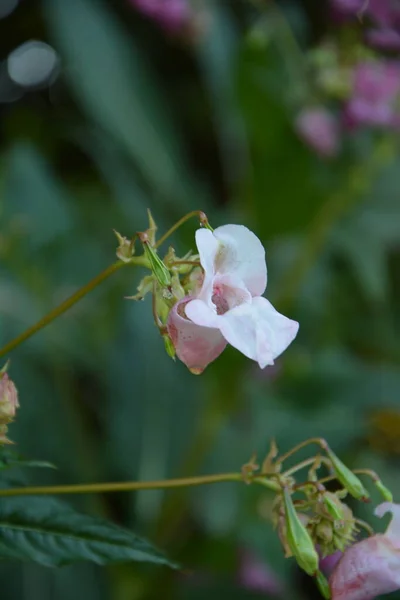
366	570
258	331
241	255
229	291
195	346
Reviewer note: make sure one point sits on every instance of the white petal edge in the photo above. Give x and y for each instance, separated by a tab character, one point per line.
393	529
208	248
258	330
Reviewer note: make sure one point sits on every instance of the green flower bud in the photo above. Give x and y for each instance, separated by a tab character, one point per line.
386	493
333	506
159	269
298	538
347	478
323	585
169	346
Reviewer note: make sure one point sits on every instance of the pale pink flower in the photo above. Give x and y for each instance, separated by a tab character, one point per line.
229	306
172	15
319	129
370	567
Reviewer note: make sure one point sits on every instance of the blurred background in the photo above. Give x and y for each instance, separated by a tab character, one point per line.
280	116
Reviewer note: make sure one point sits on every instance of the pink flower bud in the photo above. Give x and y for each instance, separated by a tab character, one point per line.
8	399
319	129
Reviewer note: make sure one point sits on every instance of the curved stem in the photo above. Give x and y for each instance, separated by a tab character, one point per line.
193	213
124	486
319	441
66	305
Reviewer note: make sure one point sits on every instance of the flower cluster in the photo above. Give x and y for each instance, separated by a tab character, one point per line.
204	301
319	530
353	87
8	404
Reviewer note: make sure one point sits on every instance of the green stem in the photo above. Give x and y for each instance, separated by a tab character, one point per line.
66	305
194	213
124	486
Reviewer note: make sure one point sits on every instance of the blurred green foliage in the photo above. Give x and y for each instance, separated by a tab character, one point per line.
138	119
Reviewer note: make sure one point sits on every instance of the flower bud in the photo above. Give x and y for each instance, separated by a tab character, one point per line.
298	538
8	399
169	346
159	269
386	493
126	248
323	585
333	506
347	478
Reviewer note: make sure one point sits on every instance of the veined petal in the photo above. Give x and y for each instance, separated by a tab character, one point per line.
258	330
241	254
393	529
195	346
366	570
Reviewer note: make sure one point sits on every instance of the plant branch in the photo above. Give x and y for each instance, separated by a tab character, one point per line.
67	304
124	486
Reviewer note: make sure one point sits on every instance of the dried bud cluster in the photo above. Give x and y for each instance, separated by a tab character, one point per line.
8	404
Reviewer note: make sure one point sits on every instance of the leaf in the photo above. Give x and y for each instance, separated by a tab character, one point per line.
113	83
10	459
49	532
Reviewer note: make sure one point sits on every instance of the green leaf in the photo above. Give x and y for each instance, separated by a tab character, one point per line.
113	83
48	532
10	459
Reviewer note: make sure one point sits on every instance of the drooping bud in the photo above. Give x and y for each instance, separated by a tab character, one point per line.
159	269
386	493
169	346
323	585
298	538
333	506
152	230
8	399
126	248
8	403
347	478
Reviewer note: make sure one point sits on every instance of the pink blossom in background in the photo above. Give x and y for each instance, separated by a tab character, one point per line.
255	575
319	129
375	94
348	6
172	15
229	307
383	39
370	567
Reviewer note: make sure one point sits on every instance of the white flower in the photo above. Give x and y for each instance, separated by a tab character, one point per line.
229	304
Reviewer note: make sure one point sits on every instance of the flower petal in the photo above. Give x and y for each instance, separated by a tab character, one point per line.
366	570
195	346
208	247
258	330
242	255
393	529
